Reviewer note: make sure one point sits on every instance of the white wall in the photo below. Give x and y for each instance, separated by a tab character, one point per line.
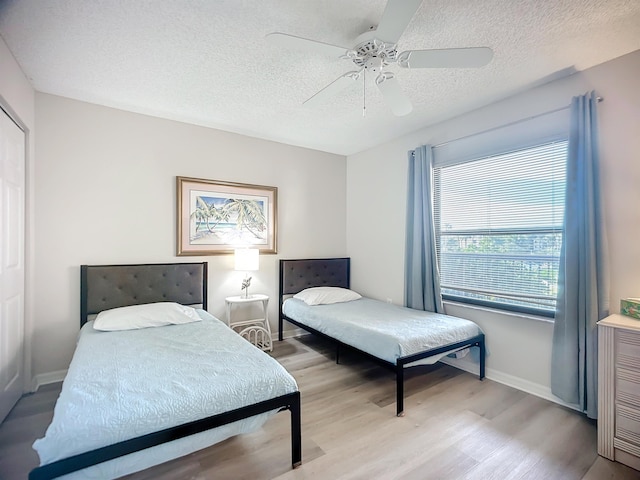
17	97
520	348
106	194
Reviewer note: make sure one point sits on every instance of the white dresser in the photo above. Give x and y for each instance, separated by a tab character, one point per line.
619	389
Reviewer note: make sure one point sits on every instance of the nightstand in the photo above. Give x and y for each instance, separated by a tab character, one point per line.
255	330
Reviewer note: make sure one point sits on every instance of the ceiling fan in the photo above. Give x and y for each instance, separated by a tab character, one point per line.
376	49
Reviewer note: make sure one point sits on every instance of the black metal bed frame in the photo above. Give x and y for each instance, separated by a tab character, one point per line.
336	272
290	401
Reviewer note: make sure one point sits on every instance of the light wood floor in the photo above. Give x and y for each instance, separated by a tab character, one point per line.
455	427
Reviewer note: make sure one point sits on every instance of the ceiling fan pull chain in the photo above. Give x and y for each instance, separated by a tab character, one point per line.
364	93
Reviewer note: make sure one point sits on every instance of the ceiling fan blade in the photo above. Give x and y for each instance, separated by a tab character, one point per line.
394	96
331	90
397	15
304	44
446	58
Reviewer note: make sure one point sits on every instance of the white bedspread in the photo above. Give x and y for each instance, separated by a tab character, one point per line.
383	330
125	384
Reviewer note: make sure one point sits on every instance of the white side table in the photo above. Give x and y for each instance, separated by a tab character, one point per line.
256	330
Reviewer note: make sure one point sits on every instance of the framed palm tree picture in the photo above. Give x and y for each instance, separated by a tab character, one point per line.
215	217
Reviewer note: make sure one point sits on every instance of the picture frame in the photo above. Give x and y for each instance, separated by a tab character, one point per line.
215	217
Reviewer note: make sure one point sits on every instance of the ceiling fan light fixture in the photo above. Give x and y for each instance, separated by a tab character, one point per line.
375	53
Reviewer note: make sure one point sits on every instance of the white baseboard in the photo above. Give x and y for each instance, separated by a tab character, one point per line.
47	378
510	381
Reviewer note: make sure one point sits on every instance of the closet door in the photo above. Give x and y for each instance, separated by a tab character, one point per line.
12	227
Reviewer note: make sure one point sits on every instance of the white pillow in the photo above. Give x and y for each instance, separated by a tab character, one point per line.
326	295
144	316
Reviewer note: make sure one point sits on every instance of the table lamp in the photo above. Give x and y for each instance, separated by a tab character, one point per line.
246	260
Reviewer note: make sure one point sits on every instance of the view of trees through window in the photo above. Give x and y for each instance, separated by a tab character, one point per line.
499	228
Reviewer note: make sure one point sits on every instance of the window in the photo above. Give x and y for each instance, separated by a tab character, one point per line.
498	223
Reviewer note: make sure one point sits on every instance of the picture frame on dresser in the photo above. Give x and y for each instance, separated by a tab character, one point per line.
215	217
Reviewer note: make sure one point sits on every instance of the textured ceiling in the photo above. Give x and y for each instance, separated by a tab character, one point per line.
206	62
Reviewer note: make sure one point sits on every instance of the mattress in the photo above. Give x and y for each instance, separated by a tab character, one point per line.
125	384
383	330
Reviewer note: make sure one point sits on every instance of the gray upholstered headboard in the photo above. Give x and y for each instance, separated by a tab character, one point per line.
110	286
296	275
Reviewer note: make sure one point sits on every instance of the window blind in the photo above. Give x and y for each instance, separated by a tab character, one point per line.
498	223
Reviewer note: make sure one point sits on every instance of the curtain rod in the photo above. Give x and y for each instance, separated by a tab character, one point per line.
599	99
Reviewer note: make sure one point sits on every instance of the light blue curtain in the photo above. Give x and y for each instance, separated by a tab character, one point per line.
583	280
422	281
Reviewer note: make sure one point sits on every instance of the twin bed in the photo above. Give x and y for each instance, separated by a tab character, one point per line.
395	337
138	397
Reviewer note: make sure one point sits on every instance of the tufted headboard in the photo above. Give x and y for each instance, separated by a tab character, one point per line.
296	275
103	287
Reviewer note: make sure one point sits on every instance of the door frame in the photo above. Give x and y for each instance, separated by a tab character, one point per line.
29	245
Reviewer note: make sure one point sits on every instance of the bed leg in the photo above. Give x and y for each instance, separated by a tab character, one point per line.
400	390
337	353
296	432
483	353
280	328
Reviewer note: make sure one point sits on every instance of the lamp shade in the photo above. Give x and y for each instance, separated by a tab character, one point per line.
247	259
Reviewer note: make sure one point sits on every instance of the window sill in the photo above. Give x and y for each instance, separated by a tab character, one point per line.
506	313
